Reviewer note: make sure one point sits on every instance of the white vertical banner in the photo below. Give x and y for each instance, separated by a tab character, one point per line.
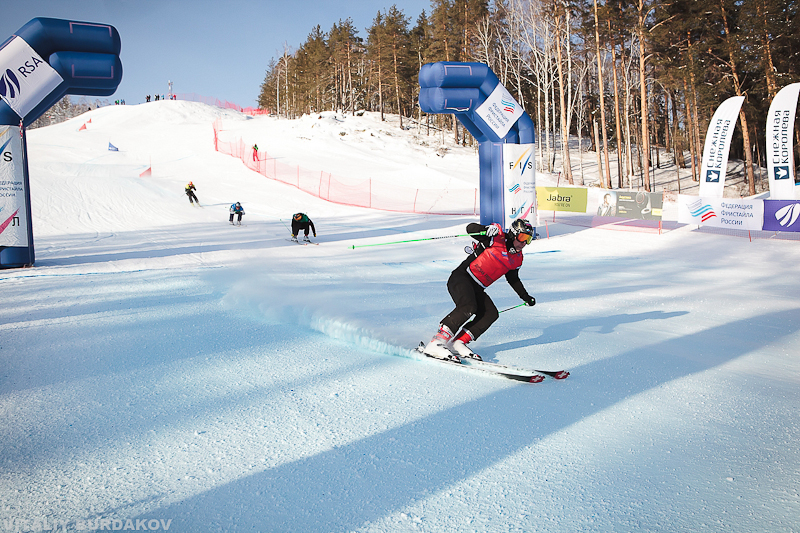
780	143
519	182
718	144
13	216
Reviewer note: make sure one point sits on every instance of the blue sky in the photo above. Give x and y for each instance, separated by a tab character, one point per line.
216	49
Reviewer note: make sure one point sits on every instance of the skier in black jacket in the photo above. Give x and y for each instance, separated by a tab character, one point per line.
300	221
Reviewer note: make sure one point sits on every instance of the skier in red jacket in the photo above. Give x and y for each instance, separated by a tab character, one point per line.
495	254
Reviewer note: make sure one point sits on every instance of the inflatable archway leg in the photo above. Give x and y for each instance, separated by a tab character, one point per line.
16	189
490	160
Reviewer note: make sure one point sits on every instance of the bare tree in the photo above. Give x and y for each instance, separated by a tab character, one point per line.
602	98
737	85
560	29
642	12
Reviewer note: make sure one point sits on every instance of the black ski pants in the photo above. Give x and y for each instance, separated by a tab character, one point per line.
470	299
297	226
192	196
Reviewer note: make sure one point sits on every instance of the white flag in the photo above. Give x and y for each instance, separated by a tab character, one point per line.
780	143
718	144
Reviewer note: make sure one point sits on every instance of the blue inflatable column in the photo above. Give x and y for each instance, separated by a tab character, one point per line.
490	158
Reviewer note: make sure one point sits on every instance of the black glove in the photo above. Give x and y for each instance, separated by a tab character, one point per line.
530	301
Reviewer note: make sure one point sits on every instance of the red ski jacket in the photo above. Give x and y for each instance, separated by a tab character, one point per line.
495	261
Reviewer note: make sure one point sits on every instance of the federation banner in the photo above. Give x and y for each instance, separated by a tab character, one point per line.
500	110
519	182
25	78
718	144
13	216
780	143
721	212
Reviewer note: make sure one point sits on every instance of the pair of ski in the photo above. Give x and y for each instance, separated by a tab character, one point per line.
505	371
304	242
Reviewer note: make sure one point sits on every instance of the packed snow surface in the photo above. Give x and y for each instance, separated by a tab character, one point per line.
164	369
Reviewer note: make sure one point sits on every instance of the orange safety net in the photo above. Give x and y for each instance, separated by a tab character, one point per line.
224	104
368	193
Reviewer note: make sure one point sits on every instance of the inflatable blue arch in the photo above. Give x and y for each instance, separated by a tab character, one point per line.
474	94
40	64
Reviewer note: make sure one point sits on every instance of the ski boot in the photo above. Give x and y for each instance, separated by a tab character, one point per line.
437	348
294	237
306	239
460	346
463	351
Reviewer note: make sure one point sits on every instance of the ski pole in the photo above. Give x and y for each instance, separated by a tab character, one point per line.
418	240
510	308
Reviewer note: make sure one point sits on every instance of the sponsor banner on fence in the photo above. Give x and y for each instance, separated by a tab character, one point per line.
572	199
13	217
25	78
718	144
500	111
519	182
782	215
640	205
626	204
721	212
780	143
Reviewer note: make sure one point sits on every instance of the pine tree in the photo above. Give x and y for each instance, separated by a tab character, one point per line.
398	49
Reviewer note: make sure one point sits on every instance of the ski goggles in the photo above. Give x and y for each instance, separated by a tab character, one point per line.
524	237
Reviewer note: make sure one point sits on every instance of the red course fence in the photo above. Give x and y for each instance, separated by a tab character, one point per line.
224	104
368	193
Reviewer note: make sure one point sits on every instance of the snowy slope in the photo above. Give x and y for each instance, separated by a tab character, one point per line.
159	364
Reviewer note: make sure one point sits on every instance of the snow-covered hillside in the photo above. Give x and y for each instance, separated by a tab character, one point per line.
165	369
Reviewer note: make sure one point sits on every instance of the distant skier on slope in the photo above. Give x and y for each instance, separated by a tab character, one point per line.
495	254
190	188
300	221
237	209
